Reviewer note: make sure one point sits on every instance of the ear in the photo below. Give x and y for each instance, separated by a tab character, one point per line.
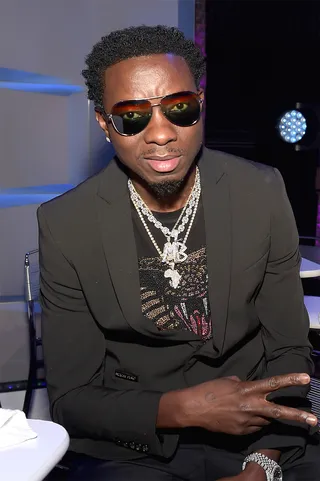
103	124
201	95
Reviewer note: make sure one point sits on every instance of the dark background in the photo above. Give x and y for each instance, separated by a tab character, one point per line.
263	57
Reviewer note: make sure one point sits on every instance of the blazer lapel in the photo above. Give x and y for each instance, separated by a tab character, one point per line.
119	243
217	216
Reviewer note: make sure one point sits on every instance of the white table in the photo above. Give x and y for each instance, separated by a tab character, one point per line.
312	253
309	268
34	459
312	304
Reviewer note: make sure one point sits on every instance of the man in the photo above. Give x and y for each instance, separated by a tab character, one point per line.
174	330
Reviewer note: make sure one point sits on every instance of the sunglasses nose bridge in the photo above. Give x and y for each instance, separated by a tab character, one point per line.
155	105
162	108
159	104
160	130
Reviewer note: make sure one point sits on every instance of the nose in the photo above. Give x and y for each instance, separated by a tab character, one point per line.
159	130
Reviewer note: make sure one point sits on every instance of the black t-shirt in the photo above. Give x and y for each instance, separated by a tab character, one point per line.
187	306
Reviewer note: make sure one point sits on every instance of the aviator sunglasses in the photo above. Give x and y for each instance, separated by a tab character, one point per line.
130	117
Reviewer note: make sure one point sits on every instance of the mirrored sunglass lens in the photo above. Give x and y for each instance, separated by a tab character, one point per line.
131	118
181	109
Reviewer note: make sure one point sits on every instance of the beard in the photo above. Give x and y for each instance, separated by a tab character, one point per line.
167	188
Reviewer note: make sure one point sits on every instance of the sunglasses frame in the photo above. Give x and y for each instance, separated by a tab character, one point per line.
109	117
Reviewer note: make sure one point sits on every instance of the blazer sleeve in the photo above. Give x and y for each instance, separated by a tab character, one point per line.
285	323
74	353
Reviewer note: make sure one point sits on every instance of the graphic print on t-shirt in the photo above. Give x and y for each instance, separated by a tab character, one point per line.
185	307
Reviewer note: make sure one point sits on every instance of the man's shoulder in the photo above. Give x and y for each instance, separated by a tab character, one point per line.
75	199
239	167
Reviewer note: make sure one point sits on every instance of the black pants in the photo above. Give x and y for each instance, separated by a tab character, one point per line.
191	463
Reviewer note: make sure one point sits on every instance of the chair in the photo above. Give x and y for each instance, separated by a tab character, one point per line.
32	288
32	291
314	394
310	248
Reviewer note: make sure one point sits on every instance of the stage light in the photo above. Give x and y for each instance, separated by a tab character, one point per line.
292	126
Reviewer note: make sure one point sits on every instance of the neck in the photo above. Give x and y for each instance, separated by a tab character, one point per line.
170	203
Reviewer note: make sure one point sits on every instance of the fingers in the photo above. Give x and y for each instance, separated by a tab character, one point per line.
234	378
251	430
276	411
259	422
266	386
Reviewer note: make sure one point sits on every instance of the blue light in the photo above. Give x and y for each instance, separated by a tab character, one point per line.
16	197
34	82
292	126
52	89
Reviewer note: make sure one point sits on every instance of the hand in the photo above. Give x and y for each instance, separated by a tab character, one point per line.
231	406
255	474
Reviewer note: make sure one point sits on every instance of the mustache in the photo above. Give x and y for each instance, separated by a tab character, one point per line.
158	152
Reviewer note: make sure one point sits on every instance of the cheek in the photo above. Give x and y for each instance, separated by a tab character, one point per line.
127	149
191	136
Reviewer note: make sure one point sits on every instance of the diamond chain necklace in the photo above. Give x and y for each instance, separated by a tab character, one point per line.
174	252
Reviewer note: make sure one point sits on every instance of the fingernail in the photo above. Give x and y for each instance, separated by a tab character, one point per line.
305	378
311	420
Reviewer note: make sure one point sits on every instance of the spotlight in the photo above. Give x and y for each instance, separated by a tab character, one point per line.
292	126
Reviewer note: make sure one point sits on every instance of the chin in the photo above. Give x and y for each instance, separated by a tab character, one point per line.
164	186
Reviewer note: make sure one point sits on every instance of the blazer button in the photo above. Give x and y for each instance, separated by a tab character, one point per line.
132	445
126	445
118	441
145	448
138	447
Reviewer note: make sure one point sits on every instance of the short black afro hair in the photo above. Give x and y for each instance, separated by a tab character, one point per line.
136	42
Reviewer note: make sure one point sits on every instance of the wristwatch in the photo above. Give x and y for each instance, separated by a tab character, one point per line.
272	469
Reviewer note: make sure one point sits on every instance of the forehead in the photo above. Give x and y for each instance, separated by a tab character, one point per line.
143	77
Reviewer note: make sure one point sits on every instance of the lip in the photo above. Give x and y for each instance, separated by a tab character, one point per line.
163	165
162	158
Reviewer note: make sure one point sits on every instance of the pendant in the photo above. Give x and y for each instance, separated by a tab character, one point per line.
174	252
174	277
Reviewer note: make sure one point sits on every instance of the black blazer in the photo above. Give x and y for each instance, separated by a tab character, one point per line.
107	365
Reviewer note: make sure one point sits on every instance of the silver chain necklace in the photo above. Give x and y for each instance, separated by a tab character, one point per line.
174	251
